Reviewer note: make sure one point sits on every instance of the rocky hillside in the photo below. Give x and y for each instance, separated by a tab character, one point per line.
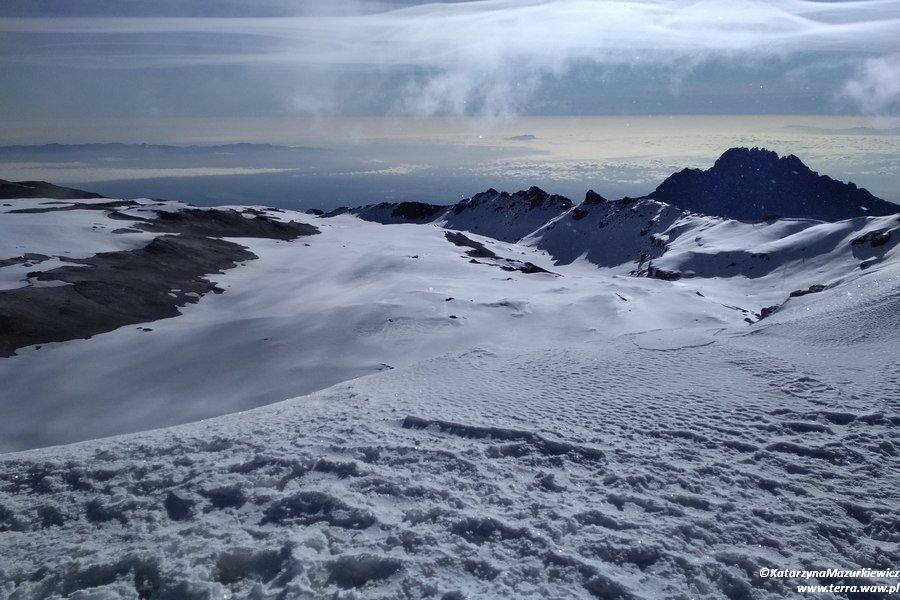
500	215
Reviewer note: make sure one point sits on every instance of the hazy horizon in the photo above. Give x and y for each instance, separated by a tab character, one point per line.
416	100
325	163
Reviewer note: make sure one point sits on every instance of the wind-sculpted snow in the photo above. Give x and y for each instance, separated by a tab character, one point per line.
625	232
601	469
648	238
464	430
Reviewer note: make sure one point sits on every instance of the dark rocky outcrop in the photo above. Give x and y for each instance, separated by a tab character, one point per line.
112	205
756	184
41	189
592	198
224	223
872	238
657	273
134	286
813	289
501	215
532	198
478	250
417	211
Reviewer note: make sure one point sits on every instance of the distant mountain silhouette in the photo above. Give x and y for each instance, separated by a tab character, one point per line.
500	215
41	189
753	184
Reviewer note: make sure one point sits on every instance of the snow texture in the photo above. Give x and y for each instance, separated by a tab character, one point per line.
461	430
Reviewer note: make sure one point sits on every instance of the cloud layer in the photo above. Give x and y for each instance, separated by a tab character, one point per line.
876	89
486	56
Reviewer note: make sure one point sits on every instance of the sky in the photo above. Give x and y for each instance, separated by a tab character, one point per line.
80	71
89	58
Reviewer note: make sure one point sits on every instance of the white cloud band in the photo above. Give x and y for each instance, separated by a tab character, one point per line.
489	54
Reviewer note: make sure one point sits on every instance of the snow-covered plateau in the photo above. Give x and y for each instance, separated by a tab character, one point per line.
625	401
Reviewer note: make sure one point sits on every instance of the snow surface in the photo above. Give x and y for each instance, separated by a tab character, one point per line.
56	235
578	435
304	316
498	215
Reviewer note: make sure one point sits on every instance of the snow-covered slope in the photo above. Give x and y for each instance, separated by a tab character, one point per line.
361	297
304	315
499	215
668	462
753	265
506	217
462	425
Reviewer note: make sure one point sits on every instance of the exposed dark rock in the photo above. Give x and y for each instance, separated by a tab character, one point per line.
134	286
318	212
592	198
478	250
111	205
28	257
417	211
755	184
120	216
41	189
121	288
813	289
580	213
224	223
657	273
533	197
768	311
528	268
341	210
868	263
872	238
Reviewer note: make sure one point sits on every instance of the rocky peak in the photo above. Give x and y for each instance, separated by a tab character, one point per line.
592	198
534	197
755	183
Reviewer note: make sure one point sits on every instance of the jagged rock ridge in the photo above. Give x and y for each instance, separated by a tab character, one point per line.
501	215
754	184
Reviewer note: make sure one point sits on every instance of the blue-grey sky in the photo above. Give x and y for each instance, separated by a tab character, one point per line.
566	94
76	59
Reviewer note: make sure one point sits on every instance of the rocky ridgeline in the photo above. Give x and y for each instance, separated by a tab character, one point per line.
746	184
754	184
